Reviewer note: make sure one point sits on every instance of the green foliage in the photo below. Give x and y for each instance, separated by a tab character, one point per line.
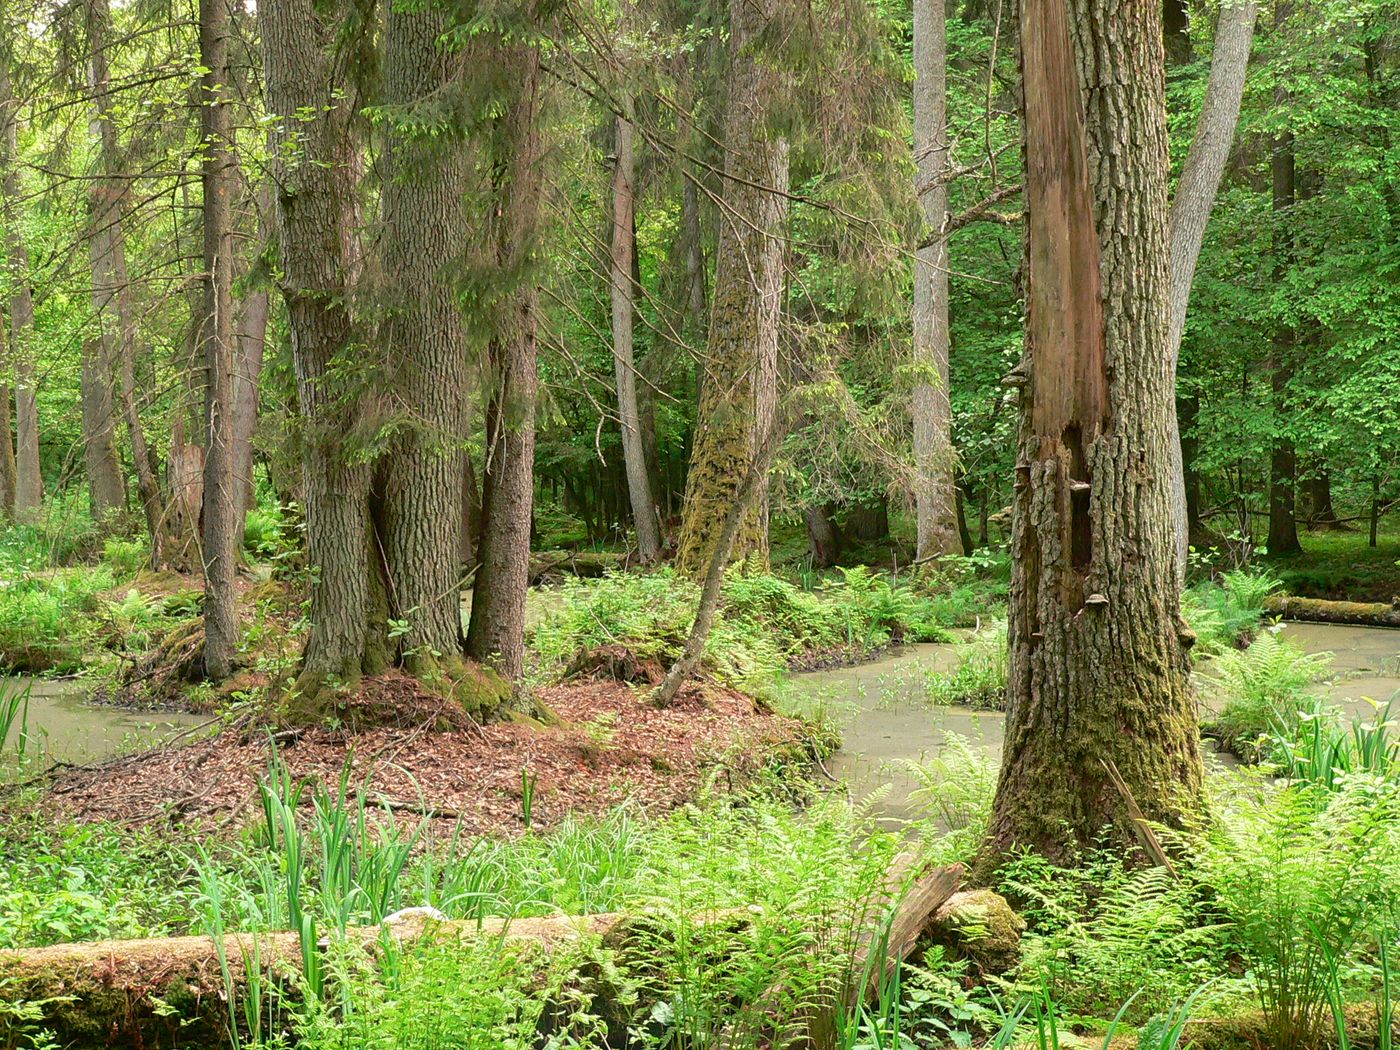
1302	874
49	618
125	556
1226	612
1262	692
980	679
1326	753
955	790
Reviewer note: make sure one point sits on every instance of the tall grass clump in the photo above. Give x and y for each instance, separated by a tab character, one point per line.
1262	694
1325	752
1303	875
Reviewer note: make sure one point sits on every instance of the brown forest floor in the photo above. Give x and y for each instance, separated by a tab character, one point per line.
609	746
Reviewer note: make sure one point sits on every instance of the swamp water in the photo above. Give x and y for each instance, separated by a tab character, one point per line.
886	720
64	727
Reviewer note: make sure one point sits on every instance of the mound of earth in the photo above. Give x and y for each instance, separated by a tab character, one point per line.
609	746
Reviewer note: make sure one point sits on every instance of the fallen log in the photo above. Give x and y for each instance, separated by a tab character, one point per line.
1320	610
171	992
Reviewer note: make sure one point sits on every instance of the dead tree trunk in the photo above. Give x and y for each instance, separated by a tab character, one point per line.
1098	664
935	502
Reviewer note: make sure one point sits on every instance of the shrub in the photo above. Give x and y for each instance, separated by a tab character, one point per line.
980	680
125	556
1226	613
48	618
1262	691
955	791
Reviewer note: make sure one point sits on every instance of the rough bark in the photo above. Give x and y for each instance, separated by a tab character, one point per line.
936	523
739	387
111	288
314	153
253	311
7	447
29	485
1099	684
1283	460
1195	196
1321	512
221	485
423	331
621	259
496	633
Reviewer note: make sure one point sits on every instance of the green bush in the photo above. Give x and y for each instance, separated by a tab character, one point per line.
980	679
49	618
126	557
1226	612
1262	694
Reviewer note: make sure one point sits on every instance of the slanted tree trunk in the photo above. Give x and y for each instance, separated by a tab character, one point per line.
1283	460
221	484
1195	196
312	108
1099	685
111	288
423	331
620	271
496	634
739	387
29	485
935	501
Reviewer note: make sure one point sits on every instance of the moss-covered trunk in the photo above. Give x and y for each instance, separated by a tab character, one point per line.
1099	674
740	369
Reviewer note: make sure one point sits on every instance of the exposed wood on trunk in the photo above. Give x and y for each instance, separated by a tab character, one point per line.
1099	669
1318	610
936	525
1195	197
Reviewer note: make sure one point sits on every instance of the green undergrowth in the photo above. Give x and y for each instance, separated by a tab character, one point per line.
1262	694
979	680
1226	610
765	624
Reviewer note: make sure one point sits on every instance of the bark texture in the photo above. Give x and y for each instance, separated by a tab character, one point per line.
496	635
314	156
621	258
1099	683
739	386
1195	197
221	487
424	230
935	502
29	485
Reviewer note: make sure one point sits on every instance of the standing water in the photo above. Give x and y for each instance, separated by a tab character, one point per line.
65	728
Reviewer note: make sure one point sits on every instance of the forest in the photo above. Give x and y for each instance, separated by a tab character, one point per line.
699	524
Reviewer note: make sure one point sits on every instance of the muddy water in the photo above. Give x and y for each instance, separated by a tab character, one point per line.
65	728
886	722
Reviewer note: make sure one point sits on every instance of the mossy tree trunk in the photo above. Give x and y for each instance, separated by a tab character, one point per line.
740	369
1099	675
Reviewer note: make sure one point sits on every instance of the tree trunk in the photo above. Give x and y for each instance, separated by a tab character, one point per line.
935	509
739	386
111	288
252	342
1375	522
7	447
620	271
29	485
1321	513
425	229
497	631
1195	196
221	484
314	153
1099	685
1283	466
822	536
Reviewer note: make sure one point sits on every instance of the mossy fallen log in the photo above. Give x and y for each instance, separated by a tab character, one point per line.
574	563
1320	610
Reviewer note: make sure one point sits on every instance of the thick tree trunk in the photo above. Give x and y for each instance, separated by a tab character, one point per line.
1283	465
314	155
497	631
425	229
739	386
1321	513
1099	685
29	485
1195	196
620	271
106	491
221	484
111	288
935	503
